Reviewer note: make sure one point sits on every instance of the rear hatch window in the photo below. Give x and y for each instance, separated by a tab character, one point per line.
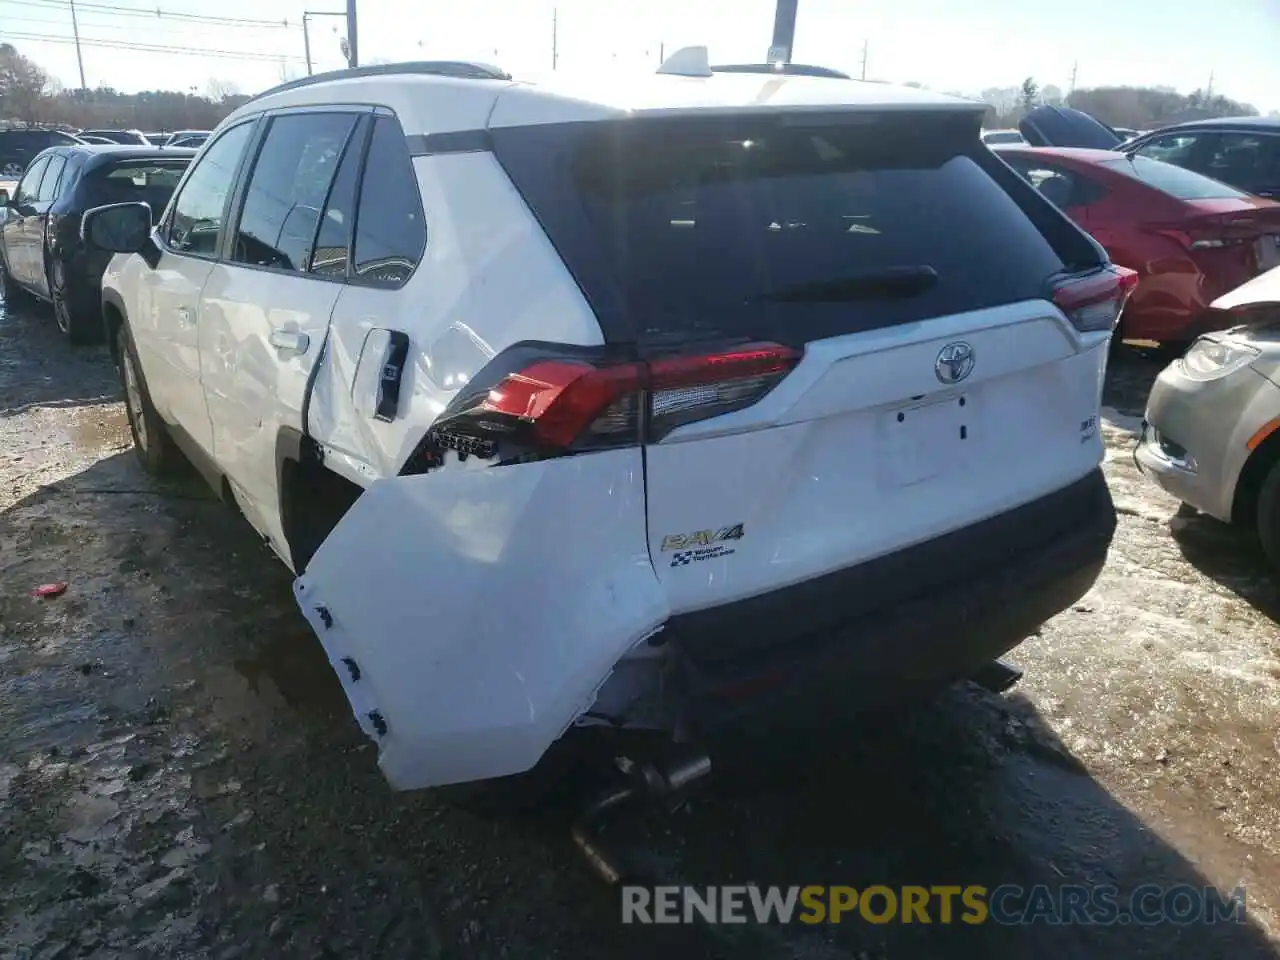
1175	181
786	228
149	181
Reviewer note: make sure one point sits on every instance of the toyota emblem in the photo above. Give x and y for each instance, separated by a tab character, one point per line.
955	362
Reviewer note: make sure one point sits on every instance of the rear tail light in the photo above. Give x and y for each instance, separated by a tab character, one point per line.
541	405
1093	302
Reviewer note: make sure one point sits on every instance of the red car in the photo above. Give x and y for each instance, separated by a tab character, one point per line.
1191	239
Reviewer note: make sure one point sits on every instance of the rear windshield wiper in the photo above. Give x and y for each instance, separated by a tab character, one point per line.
890	282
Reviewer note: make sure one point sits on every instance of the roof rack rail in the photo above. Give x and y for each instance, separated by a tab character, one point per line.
458	69
784	69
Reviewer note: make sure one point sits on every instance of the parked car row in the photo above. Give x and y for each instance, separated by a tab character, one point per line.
1186	207
42	252
19	147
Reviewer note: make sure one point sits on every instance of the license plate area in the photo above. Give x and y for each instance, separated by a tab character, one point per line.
929	439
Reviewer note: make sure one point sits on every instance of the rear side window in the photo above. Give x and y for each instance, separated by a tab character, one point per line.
52	175
149	181
199	208
1061	186
333	240
288	188
778	228
391	232
1176	148
1249	160
1175	181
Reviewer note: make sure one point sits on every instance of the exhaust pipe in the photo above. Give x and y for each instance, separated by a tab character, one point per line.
996	676
668	786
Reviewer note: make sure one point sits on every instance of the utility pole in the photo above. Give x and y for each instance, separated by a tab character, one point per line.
1208	94
354	59
1075	69
75	30
306	41
784	31
662	52
865	46
555	50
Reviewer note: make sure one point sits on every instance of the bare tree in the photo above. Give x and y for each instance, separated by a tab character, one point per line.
218	90
22	85
1029	93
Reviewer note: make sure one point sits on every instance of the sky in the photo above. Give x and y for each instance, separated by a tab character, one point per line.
955	45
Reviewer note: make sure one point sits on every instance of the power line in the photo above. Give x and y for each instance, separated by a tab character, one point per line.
119	11
254	55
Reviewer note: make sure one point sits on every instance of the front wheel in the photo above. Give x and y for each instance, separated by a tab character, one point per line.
12	170
151	441
12	294
1269	515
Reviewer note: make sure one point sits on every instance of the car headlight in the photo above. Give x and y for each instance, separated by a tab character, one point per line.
1210	359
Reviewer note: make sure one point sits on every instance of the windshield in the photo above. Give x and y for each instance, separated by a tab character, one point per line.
1175	181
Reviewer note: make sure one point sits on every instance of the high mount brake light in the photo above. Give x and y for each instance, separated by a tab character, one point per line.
553	405
1094	302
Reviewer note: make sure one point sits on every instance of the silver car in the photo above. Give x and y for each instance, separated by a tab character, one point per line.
1211	435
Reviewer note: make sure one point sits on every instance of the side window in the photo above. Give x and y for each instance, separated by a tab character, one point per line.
1175	148
391	231
49	183
1245	160
333	240
288	188
199	209
30	183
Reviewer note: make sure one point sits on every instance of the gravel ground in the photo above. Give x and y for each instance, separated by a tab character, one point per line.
179	774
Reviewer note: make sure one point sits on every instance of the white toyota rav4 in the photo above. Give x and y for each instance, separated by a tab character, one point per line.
664	403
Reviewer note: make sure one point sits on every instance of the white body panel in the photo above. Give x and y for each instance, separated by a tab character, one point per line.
477	679
253	386
822	474
490	278
164	317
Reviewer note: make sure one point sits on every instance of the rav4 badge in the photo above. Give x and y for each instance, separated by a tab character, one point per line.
702	538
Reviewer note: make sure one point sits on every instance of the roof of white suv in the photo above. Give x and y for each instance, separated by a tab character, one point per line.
430	102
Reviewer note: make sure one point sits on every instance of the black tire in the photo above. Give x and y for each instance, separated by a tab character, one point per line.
1269	515
80	326
151	440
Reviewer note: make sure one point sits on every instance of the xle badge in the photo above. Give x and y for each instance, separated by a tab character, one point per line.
701	544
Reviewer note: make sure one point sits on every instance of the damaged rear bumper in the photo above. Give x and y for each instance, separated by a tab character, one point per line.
870	635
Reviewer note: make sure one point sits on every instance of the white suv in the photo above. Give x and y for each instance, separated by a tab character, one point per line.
659	403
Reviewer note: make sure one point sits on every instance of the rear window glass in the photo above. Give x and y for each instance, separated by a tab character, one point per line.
1175	181
757	228
150	181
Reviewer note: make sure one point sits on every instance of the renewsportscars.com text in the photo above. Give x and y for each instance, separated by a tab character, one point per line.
1007	904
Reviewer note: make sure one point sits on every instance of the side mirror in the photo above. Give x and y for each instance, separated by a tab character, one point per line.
117	227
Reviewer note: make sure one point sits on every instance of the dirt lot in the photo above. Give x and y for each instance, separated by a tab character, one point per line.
179	775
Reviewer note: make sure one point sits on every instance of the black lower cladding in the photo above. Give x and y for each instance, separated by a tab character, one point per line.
872	634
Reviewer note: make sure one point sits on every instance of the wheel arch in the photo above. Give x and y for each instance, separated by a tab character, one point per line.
1244	509
114	316
313	498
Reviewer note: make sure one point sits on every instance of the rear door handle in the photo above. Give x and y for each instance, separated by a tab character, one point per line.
291	341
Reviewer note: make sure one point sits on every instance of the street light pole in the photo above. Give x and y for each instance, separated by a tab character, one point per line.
306	41
354	59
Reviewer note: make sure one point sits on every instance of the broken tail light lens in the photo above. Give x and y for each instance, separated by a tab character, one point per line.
1093	302
549	405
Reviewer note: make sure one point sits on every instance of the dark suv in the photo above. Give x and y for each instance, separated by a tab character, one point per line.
19	147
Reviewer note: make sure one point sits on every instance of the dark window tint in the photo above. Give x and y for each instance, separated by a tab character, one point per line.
773	227
333	241
58	139
1175	181
288	188
199	208
1176	148
49	182
30	183
1246	160
149	181
1061	186
391	231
